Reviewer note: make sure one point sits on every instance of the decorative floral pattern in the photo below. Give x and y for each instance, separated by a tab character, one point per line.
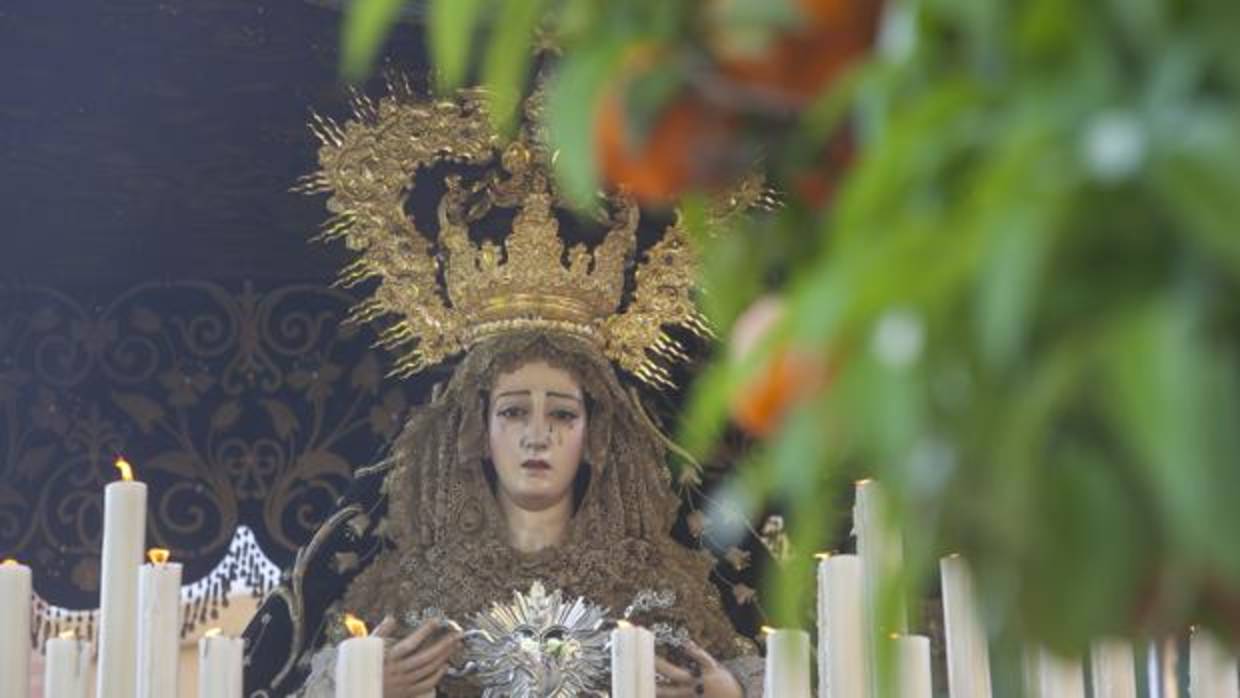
235	406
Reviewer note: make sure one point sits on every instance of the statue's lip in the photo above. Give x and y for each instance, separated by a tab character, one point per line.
536	464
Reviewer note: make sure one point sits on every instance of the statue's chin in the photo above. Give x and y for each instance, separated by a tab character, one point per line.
536	501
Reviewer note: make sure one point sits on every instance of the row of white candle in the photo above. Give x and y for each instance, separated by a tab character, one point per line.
139	621
850	627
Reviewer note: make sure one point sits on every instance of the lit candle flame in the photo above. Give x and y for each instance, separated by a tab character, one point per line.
623	624
125	468
8	562
213	632
157	556
767	630
864	481
68	635
356	626
821	556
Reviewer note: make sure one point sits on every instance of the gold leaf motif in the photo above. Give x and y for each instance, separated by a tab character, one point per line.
143	410
226	415
282	418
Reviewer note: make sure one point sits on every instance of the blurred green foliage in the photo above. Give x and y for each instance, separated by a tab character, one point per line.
1025	283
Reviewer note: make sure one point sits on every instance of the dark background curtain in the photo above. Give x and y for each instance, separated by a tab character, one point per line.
158	296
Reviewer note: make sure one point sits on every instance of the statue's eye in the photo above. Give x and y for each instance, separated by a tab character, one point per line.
563	415
512	412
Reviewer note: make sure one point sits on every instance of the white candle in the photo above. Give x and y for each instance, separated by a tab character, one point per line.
66	669
124	537
881	550
968	656
1211	668
1113	669
842	668
913	654
1048	675
787	664
14	629
159	627
632	662
219	665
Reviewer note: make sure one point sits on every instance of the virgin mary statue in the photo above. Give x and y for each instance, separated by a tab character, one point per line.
527	507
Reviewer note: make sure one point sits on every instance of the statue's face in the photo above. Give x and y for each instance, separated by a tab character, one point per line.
537	431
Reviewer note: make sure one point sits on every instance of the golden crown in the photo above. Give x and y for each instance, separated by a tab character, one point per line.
448	294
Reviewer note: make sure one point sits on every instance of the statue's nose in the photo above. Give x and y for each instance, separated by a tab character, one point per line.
536	439
537	433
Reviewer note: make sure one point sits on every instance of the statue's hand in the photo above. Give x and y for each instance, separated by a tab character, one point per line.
414	666
703	676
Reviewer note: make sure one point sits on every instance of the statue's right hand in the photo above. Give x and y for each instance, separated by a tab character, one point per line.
414	666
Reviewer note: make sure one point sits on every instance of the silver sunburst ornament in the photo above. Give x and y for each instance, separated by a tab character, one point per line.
539	646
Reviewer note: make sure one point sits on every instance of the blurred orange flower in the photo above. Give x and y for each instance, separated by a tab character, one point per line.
678	151
797	65
787	380
791	375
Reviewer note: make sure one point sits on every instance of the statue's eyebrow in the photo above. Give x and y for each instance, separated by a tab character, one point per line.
550	393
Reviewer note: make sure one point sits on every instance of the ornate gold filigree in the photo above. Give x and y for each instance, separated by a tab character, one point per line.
449	294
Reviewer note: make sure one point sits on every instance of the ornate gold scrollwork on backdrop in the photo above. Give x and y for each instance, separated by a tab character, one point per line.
236	406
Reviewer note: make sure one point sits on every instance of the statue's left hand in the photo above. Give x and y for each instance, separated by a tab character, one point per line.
413	666
703	677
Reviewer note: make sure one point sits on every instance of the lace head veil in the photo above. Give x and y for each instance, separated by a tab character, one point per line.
438	490
450	550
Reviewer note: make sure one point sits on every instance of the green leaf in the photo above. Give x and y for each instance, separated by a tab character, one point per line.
451	34
366	26
706	411
1173	397
1198	184
1155	397
572	109
506	68
732	268
1020	199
